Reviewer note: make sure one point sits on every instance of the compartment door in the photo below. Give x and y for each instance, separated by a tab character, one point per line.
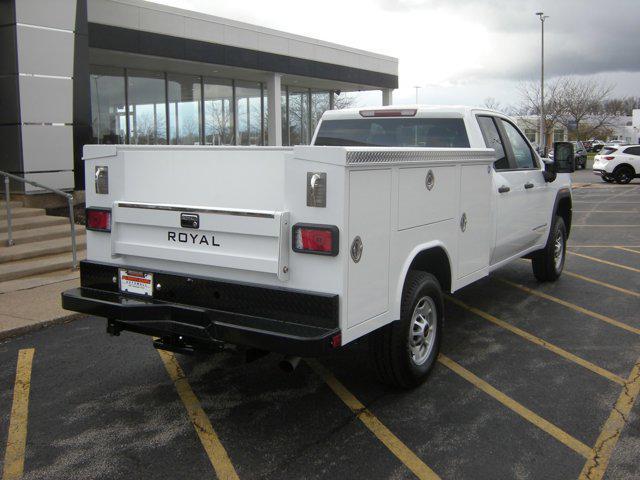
369	219
474	219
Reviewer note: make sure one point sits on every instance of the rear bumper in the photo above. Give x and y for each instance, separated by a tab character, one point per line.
281	326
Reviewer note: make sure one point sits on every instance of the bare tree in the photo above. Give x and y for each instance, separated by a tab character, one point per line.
530	105
583	105
492	104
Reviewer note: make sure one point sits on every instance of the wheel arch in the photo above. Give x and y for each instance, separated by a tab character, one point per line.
563	207
433	258
625	165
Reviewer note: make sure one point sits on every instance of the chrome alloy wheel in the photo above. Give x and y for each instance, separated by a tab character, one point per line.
422	331
558	251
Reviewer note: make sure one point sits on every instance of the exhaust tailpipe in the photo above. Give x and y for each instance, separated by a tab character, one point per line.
289	364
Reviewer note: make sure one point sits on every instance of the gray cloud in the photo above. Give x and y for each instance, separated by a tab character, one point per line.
582	36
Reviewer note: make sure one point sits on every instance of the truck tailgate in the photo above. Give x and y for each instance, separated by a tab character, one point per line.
256	240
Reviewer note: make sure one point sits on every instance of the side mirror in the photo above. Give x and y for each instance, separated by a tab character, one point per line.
563	157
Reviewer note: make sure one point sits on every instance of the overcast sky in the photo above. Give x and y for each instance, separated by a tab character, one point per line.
463	51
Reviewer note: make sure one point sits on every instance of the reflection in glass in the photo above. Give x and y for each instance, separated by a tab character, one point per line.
298	116
184	109
285	122
248	113
319	105
147	103
218	112
108	118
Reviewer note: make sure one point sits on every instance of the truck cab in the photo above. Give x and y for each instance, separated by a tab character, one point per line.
302	250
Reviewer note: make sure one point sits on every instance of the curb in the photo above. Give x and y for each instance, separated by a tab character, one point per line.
16	332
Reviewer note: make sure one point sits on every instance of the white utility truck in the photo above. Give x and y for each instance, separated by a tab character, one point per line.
303	250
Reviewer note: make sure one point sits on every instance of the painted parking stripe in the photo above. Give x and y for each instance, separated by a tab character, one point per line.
543	343
606	262
604	211
627	249
215	450
602	284
17	438
573	306
603	226
601	246
548	427
393	443
596	465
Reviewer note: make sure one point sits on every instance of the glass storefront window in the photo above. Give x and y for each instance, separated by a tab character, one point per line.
147	107
218	112
298	116
285	122
248	113
319	105
108	116
184	92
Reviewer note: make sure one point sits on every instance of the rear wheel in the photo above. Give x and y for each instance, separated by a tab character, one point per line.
548	263
624	175
405	351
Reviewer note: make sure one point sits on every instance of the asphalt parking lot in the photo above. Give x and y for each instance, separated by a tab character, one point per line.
535	382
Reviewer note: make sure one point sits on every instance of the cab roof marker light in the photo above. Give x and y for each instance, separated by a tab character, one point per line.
404	112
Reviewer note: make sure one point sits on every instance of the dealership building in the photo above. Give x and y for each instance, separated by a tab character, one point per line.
74	72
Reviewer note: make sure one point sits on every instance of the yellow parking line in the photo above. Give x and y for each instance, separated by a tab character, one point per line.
598	461
627	249
215	450
393	443
606	262
602	284
17	438
548	427
572	306
543	343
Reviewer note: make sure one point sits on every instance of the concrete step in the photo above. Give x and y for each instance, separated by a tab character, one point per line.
14	203
37	266
40	234
21	212
32	222
40	249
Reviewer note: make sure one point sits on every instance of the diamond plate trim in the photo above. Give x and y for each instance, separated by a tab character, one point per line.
412	156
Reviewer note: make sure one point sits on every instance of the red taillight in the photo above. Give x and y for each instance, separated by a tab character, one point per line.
99	219
320	239
336	340
607	158
404	112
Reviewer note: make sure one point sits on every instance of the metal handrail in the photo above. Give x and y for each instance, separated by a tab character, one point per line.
68	196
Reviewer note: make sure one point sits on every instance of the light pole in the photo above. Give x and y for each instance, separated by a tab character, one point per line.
417	88
543	140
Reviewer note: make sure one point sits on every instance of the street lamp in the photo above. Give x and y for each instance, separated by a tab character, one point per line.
543	142
417	88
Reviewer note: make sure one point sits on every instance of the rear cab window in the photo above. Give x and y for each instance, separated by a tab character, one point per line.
493	140
394	132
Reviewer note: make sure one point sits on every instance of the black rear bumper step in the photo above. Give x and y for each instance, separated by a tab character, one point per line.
200	326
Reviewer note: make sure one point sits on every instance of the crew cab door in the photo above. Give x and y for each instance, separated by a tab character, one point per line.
515	181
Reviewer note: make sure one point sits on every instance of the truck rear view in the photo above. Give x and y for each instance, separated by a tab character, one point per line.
298	250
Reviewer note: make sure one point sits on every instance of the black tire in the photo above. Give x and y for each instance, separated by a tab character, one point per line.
547	266
391	347
624	175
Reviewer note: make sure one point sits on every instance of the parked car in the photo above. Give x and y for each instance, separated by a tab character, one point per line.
618	163
596	145
580	155
304	250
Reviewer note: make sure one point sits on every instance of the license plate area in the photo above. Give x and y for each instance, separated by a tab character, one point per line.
136	282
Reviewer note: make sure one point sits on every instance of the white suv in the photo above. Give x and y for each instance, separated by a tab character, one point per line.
618	163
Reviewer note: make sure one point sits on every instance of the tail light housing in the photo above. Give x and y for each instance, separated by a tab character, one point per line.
317	239
98	219
609	157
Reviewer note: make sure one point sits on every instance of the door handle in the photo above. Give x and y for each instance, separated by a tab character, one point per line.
528	185
504	189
